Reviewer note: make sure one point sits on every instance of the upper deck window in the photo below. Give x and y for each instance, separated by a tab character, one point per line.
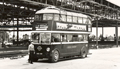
63	18
47	16
85	21
80	20
89	28
69	18
56	17
75	19
89	22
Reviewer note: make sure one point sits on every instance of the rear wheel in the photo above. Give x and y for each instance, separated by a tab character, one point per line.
55	56
83	53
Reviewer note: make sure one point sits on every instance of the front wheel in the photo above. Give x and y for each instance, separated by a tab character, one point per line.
55	56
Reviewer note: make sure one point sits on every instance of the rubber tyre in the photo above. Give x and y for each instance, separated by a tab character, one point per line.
55	56
83	53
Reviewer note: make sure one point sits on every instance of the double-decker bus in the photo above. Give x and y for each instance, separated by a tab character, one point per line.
59	34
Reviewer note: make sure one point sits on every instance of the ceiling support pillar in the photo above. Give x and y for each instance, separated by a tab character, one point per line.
96	33
102	31
17	30
116	36
102	38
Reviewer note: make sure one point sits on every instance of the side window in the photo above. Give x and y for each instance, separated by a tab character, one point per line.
55	38
80	20
64	38
75	38
81	37
63	18
69	38
89	21
84	20
89	28
69	18
75	19
85	38
56	17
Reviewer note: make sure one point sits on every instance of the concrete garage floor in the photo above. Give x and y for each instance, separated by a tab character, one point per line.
108	58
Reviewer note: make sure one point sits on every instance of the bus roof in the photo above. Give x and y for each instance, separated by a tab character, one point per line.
59	11
66	32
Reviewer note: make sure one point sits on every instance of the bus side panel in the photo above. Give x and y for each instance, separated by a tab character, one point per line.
71	49
58	47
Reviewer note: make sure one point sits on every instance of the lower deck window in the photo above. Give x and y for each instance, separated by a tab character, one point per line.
53	38
74	38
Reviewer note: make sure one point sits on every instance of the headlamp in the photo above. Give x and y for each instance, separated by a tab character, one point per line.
48	49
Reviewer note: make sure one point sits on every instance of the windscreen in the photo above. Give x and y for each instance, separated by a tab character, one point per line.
41	37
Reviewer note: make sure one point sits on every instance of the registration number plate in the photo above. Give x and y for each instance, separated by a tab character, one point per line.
39	53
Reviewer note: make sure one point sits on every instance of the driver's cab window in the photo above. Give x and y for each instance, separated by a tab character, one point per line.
41	37
35	37
45	37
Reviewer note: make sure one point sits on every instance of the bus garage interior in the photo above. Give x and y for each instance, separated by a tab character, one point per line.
16	16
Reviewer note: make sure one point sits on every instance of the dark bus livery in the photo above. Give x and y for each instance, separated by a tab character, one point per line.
59	34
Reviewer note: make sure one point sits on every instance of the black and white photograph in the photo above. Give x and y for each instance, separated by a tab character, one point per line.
59	34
